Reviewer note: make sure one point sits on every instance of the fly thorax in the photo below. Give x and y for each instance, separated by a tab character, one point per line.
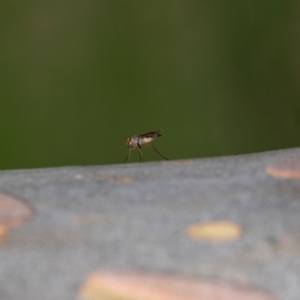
134	141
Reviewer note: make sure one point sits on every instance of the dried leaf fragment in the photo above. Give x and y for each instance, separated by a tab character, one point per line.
14	211
4	230
288	167
141	286
215	230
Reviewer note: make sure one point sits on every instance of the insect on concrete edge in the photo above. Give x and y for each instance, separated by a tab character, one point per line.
140	141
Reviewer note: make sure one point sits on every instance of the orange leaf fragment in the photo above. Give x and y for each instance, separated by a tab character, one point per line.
141	286
288	167
4	229
14	211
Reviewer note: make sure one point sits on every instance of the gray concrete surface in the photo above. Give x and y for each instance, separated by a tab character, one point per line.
135	216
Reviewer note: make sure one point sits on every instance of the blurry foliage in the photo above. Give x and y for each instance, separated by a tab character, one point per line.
77	77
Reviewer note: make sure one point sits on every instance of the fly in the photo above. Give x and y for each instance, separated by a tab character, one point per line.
140	141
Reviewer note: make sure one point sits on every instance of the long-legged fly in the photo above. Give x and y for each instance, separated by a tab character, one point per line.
140	141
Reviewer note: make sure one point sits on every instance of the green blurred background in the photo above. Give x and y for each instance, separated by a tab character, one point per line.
77	77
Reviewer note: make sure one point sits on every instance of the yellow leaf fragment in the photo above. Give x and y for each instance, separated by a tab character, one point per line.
215	230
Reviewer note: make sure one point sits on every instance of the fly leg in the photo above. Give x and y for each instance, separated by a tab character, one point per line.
140	154
128	156
158	152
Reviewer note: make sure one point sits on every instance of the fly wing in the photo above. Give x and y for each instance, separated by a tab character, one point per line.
151	134
149	137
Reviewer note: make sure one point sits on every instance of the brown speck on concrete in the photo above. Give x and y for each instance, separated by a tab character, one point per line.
118	178
288	167
141	286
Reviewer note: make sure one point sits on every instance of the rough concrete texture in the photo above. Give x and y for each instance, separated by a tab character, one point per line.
135	217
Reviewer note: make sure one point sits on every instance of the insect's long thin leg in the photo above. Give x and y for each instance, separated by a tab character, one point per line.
140	154
128	156
158	152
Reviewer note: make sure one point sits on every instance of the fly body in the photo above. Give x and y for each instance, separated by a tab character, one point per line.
140	141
